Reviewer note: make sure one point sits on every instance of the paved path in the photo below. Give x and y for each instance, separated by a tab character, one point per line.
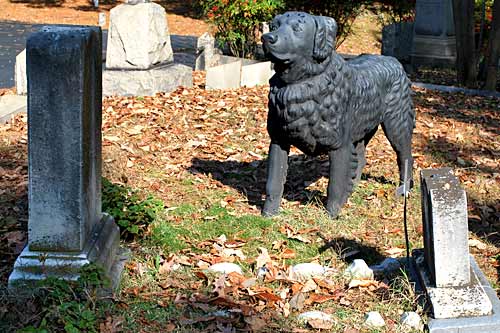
12	41
13	37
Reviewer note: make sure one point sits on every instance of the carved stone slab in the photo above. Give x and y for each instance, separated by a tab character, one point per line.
444	215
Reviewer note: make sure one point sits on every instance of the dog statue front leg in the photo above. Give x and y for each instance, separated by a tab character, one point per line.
277	165
341	178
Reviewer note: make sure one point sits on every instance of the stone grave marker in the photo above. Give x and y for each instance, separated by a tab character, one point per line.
66	228
462	299
20	74
139	57
434	34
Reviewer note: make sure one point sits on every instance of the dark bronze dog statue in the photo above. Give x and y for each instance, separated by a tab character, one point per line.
322	104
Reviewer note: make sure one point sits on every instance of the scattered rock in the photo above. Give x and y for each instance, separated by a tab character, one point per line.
225	268
359	270
412	320
305	271
388	267
374	319
315	315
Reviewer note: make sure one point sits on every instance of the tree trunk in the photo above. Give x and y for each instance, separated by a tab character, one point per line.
493	49
464	30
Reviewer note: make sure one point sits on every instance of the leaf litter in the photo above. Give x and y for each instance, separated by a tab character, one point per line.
154	142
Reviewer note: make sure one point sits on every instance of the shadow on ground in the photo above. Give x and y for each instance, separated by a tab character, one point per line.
350	249
250	178
40	3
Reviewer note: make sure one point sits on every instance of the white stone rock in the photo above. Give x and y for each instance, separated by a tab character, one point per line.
359	270
305	271
315	315
138	37
387	267
374	319
225	268
20	74
412	320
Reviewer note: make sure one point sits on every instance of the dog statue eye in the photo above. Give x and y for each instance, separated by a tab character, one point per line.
297	27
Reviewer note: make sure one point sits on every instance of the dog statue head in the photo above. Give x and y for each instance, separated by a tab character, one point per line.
297	41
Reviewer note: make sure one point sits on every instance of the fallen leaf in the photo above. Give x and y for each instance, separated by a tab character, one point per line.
320	298
256	323
320	324
362	283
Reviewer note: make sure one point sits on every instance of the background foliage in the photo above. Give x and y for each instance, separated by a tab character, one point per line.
237	21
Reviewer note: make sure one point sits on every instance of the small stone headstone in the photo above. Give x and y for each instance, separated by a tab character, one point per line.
138	37
444	209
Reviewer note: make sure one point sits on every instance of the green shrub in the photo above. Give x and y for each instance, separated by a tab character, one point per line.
237	21
131	213
394	11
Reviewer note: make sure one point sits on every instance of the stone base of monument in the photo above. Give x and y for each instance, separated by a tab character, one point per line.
148	82
102	248
472	308
433	51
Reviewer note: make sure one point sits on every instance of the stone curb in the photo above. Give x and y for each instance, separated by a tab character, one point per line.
452	89
10	105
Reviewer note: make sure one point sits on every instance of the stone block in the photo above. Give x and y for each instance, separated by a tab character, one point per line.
226	76
434	34
66	227
138	37
20	74
397	40
487	318
146	82
444	215
256	74
11	105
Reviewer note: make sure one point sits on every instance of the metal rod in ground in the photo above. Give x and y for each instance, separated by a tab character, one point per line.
405	222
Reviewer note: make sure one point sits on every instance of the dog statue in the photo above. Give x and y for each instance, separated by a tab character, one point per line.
322	104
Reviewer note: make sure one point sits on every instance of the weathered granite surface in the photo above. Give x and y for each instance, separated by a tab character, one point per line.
445	224
66	228
147	82
138	37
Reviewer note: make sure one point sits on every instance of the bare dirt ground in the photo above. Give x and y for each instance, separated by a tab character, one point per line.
181	18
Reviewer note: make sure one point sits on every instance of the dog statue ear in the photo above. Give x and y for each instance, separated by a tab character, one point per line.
324	38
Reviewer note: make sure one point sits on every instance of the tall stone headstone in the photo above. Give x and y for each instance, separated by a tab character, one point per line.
66	228
434	33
